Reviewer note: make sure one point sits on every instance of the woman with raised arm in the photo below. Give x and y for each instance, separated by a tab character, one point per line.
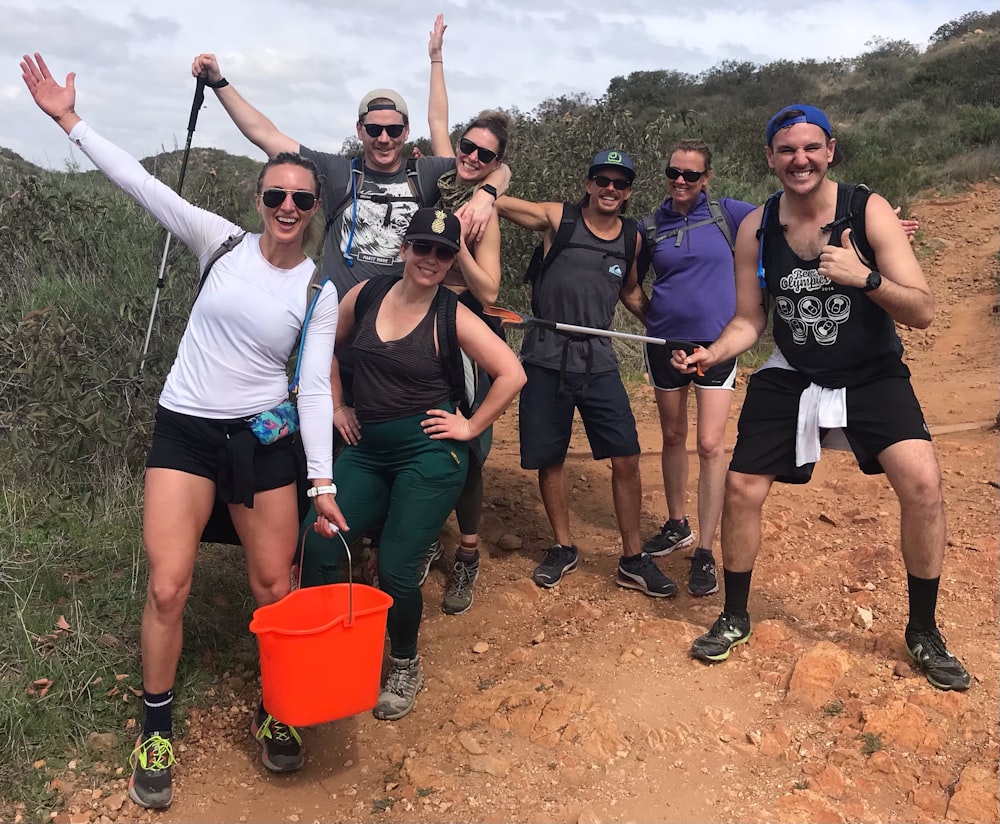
408	442
475	278
228	377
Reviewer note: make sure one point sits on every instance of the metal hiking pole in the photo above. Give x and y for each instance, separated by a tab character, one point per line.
199	99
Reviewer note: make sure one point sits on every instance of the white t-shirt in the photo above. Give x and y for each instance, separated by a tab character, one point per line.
232	357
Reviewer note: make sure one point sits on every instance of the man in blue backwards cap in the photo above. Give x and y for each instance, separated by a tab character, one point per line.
589	266
836	265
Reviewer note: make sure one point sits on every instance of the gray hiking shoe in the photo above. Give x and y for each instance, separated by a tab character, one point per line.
727	632
434	551
458	598
930	652
672	535
401	687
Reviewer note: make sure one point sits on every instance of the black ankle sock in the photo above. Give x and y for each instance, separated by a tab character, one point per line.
737	592
467	554
923	594
159	708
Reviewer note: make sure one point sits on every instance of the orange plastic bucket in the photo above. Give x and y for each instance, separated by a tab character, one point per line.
321	652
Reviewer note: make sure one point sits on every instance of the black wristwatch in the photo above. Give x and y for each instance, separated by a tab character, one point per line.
490	189
872	282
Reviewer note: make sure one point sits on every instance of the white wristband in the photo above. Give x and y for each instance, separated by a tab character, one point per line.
312	492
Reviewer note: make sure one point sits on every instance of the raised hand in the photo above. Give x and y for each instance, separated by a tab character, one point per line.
207	66
841	264
436	41
58	102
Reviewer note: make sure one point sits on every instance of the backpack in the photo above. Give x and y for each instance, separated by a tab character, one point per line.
352	192
857	202
540	261
718	217
313	289
446	303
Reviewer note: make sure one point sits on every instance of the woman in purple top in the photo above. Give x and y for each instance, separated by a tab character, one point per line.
693	297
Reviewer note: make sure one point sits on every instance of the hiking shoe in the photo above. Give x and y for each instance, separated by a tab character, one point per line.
434	551
401	687
639	572
929	650
703	580
727	632
151	785
672	535
458	598
280	744
559	560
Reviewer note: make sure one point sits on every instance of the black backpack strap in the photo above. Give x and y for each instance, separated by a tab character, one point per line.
769	223
649	225
350	195
227	246
630	226
853	215
414	180
446	303
374	289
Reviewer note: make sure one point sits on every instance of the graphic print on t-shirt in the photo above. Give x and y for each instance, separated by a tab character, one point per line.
811	312
383	214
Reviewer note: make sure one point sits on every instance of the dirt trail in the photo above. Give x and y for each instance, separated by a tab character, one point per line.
585	707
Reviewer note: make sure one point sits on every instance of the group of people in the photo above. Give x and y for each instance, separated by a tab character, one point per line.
400	364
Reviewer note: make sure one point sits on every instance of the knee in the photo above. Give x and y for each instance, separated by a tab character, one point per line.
674	433
625	466
745	490
166	596
268	590
710	448
922	489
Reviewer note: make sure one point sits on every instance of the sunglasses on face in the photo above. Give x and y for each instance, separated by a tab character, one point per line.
468	147
422	248
273	198
376	129
603	181
689	175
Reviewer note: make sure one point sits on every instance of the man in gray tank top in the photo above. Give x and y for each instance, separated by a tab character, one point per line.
592	268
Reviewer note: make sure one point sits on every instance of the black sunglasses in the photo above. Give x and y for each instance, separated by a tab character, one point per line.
603	181
468	147
273	198
423	248
689	175
376	129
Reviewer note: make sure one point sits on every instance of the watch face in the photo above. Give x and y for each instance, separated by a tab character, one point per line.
873	282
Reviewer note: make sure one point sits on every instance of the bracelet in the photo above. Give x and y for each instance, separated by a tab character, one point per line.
342	406
221	83
437	61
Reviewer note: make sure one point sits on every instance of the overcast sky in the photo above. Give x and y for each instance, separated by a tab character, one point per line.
306	63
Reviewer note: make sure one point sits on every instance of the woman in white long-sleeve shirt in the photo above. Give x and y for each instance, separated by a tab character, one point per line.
230	366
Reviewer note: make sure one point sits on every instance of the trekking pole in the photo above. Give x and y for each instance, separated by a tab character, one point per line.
199	99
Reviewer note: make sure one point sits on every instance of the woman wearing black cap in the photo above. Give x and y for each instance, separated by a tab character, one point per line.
407	456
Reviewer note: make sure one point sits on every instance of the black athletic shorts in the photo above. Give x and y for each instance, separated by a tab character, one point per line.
662	375
546	416
879	413
225	452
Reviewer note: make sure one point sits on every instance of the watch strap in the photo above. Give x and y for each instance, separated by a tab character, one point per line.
312	492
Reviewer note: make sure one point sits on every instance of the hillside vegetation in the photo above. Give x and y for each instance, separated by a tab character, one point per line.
78	265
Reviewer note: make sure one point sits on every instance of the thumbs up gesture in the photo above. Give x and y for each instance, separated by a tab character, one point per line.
841	264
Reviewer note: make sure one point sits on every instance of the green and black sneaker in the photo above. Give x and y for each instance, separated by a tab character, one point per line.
151	785
727	632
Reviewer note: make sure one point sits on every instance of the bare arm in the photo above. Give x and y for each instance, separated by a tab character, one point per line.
538	217
747	325
631	295
904	292
481	269
257	128
437	105
477	212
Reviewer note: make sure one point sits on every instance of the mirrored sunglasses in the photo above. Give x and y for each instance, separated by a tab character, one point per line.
422	248
375	129
603	181
273	198
468	147
689	175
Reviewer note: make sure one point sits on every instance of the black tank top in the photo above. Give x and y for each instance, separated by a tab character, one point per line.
399	378
834	335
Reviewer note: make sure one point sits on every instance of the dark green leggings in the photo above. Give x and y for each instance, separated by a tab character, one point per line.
400	480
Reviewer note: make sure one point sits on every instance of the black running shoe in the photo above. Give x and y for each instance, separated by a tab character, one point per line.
151	785
727	632
703	580
929	650
280	744
641	573
672	535
559	560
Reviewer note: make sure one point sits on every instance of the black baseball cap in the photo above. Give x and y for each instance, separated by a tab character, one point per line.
437	226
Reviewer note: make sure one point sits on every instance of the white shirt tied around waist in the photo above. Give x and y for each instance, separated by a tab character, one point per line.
820	407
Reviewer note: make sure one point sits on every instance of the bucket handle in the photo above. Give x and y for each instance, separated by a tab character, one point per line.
350	574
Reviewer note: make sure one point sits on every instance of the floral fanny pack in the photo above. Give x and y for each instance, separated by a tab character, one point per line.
274	424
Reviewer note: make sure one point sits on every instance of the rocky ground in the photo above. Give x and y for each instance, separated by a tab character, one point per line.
580	704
